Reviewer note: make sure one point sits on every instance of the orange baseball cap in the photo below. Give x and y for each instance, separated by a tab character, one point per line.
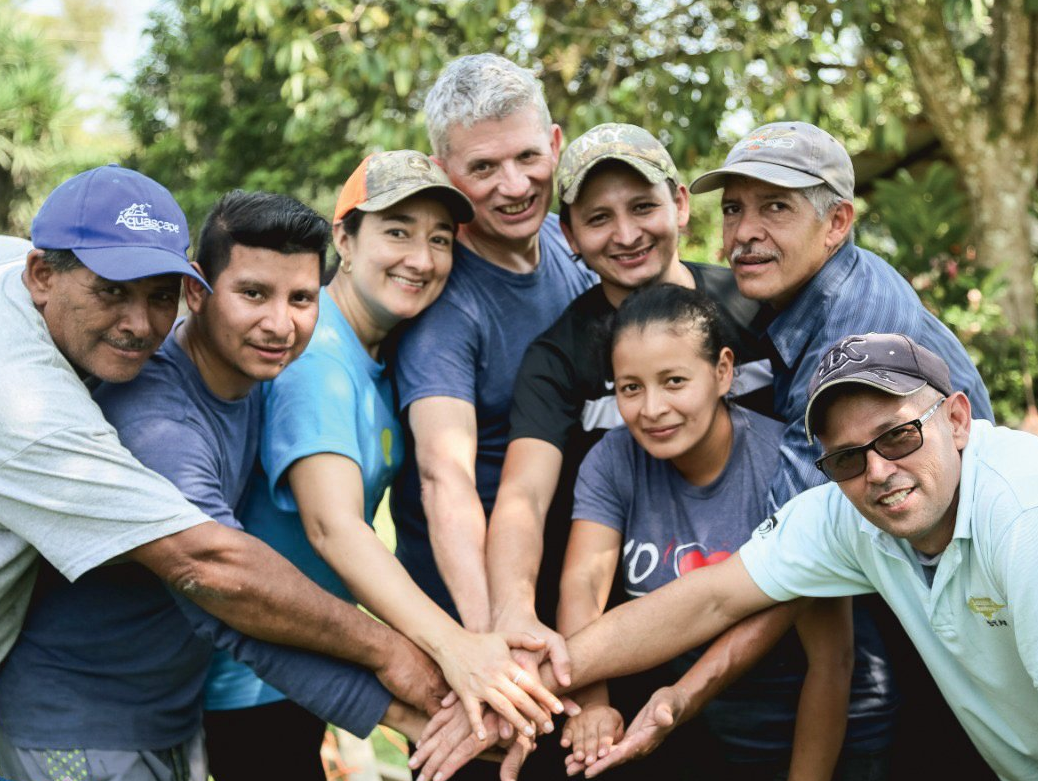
386	178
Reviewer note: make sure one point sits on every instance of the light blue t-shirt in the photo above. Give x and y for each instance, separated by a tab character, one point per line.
671	527
468	345
335	398
976	628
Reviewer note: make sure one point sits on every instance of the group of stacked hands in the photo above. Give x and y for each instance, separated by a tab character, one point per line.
574	404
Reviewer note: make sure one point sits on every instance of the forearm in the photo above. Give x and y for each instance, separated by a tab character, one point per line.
342	694
515	546
732	654
457	533
246	584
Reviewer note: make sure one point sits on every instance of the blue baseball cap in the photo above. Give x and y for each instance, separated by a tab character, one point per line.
119	223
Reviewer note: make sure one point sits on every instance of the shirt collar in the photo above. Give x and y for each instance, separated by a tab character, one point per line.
797	324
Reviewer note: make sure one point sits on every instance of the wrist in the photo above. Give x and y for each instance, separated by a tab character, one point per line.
404	719
515	611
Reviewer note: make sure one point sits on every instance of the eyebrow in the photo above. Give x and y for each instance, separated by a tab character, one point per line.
876	430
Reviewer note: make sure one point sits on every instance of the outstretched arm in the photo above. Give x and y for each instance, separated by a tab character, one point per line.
515	542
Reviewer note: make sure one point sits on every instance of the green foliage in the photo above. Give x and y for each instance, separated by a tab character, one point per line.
920	223
32	107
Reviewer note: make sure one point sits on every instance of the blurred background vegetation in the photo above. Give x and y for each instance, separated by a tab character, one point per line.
936	102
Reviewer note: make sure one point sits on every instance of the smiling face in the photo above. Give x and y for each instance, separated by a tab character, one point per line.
505	167
258	319
399	259
914	497
774	240
626	228
104	328
670	397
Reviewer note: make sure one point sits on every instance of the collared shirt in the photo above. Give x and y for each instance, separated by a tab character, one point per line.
976	628
855	292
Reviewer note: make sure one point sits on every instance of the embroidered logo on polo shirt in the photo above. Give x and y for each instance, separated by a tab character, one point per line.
987	607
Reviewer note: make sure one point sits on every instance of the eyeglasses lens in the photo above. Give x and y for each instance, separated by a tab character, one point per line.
892	445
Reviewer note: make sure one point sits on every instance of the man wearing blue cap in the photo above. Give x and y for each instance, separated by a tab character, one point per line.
69	490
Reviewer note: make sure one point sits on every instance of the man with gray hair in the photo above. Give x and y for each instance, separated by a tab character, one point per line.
513	275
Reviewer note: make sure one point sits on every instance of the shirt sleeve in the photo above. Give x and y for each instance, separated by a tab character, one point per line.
602	492
80	498
179	451
1015	557
310	408
344	694
439	356
544	403
800	551
796	471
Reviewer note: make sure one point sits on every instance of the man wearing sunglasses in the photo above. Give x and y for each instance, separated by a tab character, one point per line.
935	512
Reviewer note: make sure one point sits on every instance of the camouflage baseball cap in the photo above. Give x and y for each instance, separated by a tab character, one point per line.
386	178
789	154
629	144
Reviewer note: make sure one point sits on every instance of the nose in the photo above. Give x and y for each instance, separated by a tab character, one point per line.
626	231
278	321
748	227
420	257
513	183
655	403
135	319
878	469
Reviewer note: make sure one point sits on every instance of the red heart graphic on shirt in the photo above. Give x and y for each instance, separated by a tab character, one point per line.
694	559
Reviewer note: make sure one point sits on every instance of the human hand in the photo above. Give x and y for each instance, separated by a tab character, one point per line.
647	730
448	743
554	649
479	668
591	735
412	676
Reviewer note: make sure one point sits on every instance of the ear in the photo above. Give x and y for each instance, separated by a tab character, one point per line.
725	370
341	242
681	202
556	144
567	231
841	218
195	294
959	414
38	277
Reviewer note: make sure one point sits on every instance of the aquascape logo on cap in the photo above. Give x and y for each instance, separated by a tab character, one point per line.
767	138
136	218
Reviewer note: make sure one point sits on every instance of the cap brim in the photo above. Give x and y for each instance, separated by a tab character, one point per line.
457	204
765	172
127	262
900	385
651	173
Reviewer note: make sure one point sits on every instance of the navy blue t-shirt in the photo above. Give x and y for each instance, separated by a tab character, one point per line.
671	527
468	345
114	661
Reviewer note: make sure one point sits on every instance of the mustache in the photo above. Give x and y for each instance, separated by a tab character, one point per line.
760	252
129	342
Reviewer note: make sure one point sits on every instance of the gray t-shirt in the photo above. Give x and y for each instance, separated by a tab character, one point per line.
68	489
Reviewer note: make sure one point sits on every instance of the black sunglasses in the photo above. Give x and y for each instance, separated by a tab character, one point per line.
892	444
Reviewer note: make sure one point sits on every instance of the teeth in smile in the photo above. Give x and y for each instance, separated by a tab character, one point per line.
516	208
895	498
632	255
415	283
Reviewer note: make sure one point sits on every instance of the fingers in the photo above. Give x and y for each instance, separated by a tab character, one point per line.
664	714
532	686
570	707
505	708
559	657
616	756
524	640
514	759
475	715
449	700
435	734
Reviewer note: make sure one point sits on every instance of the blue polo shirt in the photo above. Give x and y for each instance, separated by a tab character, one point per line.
855	292
976	628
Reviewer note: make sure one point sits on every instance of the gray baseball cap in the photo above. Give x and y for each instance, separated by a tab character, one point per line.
629	144
789	154
892	363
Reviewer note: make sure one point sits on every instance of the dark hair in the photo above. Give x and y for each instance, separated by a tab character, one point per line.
680	309
609	164
62	260
260	219
351	222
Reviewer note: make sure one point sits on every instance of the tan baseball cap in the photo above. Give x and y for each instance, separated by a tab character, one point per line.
386	178
789	154
629	144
